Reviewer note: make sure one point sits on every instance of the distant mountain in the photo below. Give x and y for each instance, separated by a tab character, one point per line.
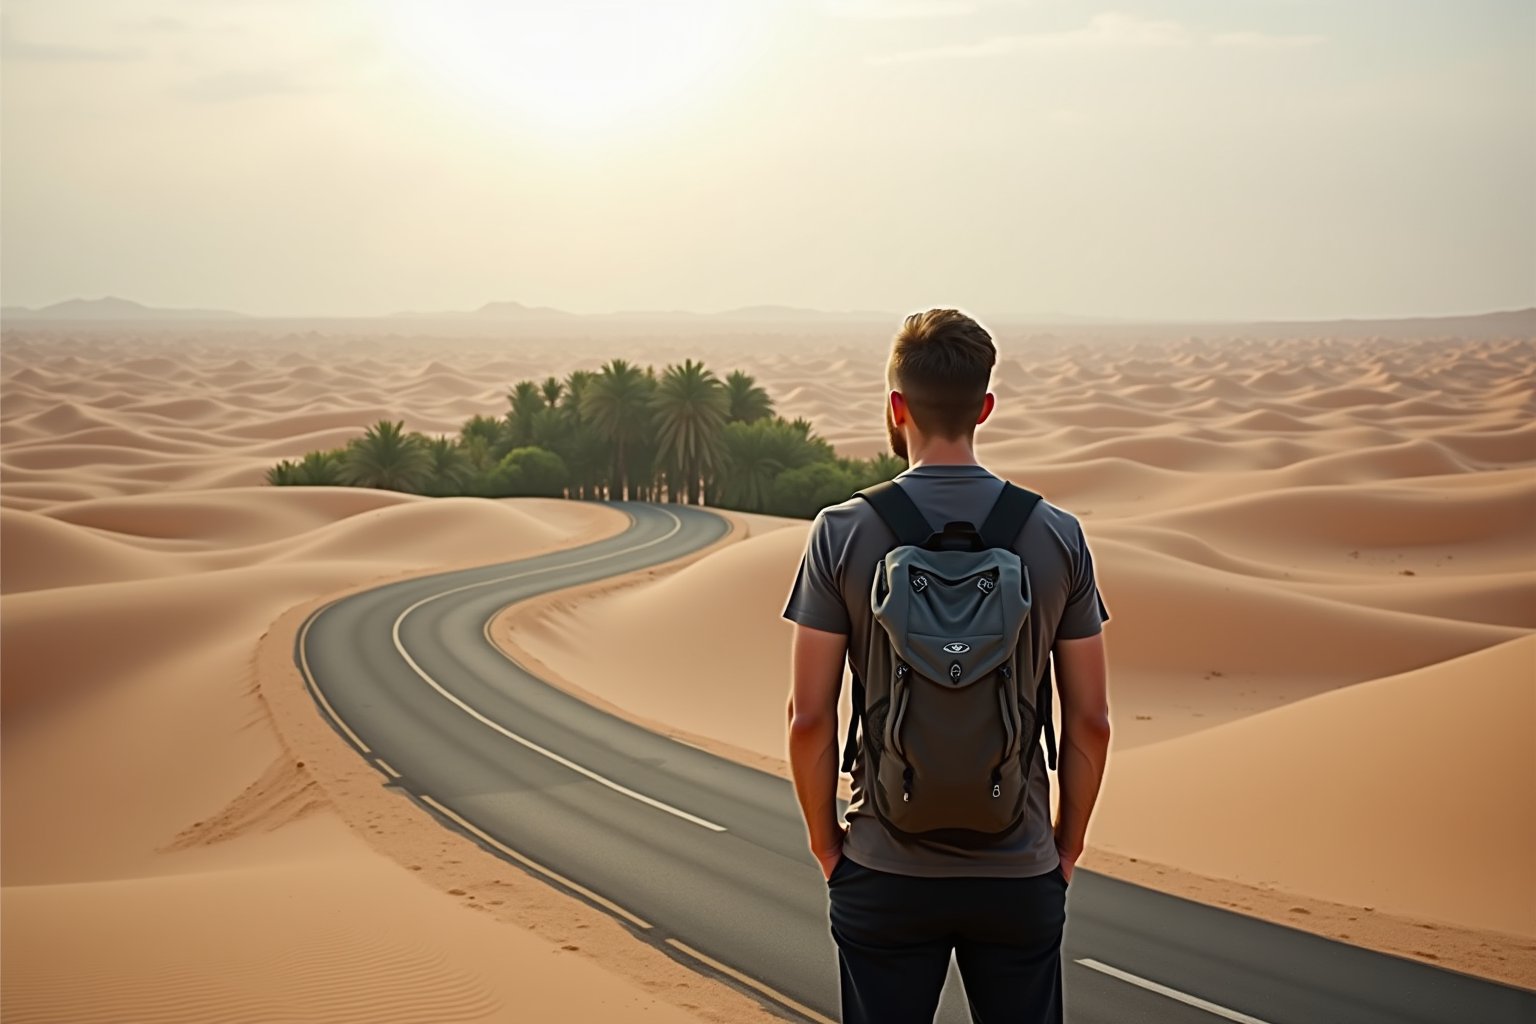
798	313
490	311
517	311
113	308
1500	324
499	315
1515	321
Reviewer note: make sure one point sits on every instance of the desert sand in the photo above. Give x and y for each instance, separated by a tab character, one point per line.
1318	552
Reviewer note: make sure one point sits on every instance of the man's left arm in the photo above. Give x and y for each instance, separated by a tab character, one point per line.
813	756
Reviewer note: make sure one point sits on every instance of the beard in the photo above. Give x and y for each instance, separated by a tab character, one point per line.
896	437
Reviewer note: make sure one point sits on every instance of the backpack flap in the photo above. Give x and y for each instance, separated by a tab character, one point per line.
953	616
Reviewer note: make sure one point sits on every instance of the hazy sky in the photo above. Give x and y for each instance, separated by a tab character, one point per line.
1189	158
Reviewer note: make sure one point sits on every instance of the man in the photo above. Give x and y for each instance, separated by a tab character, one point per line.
899	907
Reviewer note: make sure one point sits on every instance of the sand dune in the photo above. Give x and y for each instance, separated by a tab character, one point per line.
1308	544
1436	822
40	552
167	859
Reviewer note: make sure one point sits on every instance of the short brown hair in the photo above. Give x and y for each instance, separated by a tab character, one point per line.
941	361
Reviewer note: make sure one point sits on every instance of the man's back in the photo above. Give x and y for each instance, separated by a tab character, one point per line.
831	592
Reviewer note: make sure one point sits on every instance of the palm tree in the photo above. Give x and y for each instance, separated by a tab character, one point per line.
388	458
642	456
691	407
586	457
748	401
575	387
479	452
753	457
322	468
317	468
614	402
452	469
487	427
884	466
758	452
284	474
551	388
526	400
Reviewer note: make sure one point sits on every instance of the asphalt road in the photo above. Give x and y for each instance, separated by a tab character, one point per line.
706	858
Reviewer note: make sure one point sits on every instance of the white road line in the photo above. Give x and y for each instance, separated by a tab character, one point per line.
751	982
387	767
536	866
1172	993
314	685
677	524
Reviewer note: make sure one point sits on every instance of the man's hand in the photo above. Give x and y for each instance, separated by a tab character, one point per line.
1082	680
1068	862
812	718
829	857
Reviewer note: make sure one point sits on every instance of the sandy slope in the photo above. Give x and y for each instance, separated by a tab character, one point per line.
1409	793
1322	542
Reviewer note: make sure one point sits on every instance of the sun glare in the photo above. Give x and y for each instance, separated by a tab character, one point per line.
579	65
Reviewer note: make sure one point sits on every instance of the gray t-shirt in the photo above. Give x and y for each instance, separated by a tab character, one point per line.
831	592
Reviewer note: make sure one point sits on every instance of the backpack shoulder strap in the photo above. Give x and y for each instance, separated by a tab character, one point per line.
1006	519
851	748
900	513
898	510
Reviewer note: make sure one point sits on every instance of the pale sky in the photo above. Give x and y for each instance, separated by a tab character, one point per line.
1203	159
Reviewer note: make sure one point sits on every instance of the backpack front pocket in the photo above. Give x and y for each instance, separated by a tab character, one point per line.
955	773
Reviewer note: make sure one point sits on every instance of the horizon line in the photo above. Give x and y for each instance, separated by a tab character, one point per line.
515	311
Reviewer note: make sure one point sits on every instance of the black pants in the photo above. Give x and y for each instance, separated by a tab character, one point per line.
895	934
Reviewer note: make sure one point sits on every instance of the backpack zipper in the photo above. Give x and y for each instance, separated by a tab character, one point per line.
902	668
1002	700
901	709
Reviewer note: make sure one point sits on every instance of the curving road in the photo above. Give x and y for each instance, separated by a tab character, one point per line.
706	858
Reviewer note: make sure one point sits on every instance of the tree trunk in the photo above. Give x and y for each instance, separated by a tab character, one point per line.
623	478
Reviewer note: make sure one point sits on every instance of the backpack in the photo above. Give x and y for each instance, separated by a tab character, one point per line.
949	728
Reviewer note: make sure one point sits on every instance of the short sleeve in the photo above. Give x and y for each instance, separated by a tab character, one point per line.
815	599
1085	612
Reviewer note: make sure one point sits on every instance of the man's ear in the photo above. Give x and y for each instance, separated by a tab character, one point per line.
986	407
899	414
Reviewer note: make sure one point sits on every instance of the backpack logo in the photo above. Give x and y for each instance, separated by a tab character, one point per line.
985	585
920	583
956	648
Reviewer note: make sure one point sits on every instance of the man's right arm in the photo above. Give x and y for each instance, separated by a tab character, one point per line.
1083	685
